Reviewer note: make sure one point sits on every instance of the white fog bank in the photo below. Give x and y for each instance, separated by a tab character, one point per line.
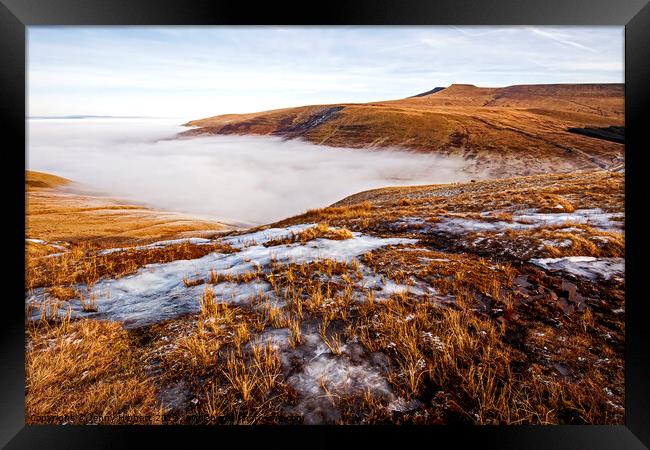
251	179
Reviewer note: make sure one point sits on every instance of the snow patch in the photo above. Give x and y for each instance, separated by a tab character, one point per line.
312	365
49	244
156	292
264	236
387	286
595	218
584	266
159	244
402	405
563	243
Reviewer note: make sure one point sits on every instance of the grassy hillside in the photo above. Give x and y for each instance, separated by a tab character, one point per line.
516	130
494	302
57	211
35	180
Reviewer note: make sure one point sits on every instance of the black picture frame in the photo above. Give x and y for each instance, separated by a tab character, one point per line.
16	15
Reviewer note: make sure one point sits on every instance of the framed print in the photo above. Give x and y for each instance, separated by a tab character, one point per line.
421	219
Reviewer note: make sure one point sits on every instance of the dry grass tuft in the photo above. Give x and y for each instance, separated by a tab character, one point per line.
320	231
83	264
483	337
36	180
86	372
247	390
351	212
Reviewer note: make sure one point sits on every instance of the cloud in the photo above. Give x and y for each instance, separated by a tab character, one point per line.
198	71
245	179
562	38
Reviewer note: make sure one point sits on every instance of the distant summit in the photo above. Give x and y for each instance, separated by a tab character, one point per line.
432	91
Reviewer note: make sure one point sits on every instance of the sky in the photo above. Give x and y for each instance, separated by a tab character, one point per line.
196	72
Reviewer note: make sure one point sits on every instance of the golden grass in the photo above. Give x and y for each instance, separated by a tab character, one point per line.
456	351
218	326
86	372
56	214
337	213
82	264
333	341
245	382
36	180
477	351
38	250
251	388
455	358
320	231
513	130
580	190
62	292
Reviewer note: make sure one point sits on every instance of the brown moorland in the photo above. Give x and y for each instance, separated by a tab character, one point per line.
515	130
58	210
477	333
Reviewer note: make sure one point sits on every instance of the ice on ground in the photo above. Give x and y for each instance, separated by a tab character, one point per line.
595	218
402	405
52	255
341	376
312	365
264	236
279	337
562	243
417	223
159	244
157	292
387	286
49	244
584	266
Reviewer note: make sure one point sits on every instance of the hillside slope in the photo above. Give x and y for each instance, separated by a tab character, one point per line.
494	302
57	211
515	130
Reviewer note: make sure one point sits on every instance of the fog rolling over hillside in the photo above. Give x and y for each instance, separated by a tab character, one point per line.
244	179
514	130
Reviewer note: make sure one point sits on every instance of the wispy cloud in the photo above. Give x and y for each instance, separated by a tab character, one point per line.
562	38
197	71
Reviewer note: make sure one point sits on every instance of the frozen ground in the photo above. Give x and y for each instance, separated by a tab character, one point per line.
525	220
54	245
584	266
319	376
595	218
157	292
159	244
353	372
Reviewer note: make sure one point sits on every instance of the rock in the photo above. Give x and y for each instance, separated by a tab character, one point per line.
562	369
511	316
568	290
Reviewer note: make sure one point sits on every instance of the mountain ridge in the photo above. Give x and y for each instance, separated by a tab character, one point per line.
512	130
